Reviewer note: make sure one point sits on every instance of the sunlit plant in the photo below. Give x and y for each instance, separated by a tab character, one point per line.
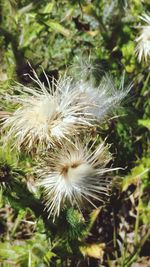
75	173
45	116
143	40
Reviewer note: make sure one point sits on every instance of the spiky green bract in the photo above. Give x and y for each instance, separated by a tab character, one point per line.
74	173
143	40
71	225
45	116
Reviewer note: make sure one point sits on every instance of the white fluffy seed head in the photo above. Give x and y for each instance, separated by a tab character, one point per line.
143	40
104	98
74	173
45	116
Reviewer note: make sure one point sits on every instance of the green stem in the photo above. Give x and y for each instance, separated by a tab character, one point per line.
134	255
137	217
146	82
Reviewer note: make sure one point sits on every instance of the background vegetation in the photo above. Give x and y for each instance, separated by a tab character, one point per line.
52	35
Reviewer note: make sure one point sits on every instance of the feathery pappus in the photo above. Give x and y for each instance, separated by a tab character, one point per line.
104	98
75	174
143	40
45	116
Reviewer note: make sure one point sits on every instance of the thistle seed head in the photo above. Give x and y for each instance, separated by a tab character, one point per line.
105	98
74	173
143	40
45	116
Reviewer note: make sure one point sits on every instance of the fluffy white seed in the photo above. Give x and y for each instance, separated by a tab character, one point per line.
45	116
143	40
75	173
105	98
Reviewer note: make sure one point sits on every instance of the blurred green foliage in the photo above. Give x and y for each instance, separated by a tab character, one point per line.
53	35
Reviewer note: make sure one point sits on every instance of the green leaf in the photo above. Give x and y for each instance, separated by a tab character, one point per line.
56	26
145	123
93	250
48	8
48	256
139	172
30	33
